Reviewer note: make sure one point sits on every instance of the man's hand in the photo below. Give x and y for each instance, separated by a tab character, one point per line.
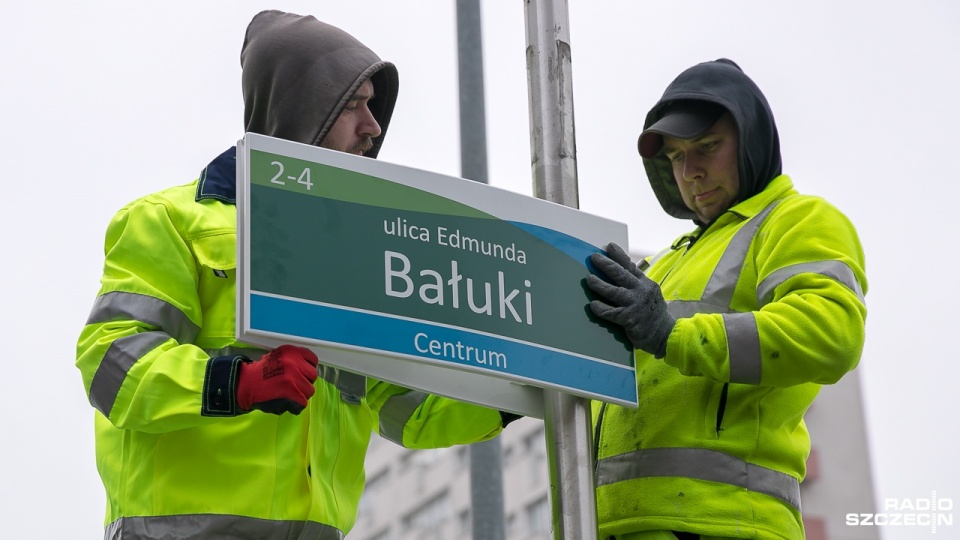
634	301
280	381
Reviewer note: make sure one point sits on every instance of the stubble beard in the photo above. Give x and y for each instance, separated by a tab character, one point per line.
362	147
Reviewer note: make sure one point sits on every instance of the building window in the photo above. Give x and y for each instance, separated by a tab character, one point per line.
464	524
424	459
507	456
381	535
406	459
534	441
428	520
462	458
813	466
512	529
538	519
815	528
535	446
368	500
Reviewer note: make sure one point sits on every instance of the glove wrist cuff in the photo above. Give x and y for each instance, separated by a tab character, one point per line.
220	386
507	417
664	332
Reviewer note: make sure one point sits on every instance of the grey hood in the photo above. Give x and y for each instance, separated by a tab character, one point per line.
724	83
299	73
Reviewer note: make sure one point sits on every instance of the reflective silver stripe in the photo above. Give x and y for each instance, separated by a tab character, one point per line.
217	526
119	306
396	412
122	354
700	464
743	340
743	345
658	256
719	289
329	374
718	293
835	270
352	386
683	308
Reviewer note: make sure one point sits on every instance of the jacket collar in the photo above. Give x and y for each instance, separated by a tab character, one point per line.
776	189
218	180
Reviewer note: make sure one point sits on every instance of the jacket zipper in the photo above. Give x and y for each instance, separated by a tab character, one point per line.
685	242
722	406
596	441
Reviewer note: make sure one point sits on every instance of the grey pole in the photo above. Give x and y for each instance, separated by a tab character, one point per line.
486	475
550	88
473	124
554	167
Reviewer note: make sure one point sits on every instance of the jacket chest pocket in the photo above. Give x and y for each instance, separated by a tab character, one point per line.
216	252
216	257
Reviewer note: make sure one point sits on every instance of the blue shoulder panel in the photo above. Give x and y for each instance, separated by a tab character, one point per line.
219	179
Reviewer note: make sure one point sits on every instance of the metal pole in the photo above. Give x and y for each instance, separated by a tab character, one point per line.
486	474
550	88
473	125
554	168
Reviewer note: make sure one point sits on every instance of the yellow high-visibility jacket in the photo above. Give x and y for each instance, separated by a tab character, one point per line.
769	301
165	309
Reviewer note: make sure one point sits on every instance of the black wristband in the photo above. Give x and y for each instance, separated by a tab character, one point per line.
507	417
220	386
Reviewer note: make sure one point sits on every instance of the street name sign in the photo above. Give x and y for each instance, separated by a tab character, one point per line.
434	282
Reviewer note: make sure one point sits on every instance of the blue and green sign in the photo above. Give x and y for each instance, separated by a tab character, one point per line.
347	252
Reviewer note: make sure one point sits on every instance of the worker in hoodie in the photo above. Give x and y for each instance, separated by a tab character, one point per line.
197	434
736	325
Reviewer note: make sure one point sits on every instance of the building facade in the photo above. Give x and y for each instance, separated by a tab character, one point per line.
425	494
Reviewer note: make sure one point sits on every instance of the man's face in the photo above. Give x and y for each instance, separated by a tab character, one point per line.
355	129
705	168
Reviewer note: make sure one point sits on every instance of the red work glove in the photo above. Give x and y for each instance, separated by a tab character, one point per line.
280	381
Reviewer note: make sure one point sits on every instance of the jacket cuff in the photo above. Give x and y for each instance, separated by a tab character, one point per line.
506	418
220	386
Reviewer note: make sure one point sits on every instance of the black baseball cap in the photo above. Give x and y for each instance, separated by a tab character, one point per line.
683	119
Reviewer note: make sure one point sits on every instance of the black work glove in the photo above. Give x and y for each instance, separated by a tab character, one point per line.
634	301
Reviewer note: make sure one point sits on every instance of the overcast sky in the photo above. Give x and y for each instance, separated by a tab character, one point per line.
106	101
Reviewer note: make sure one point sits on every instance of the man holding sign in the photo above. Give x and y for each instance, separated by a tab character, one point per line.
736	326
192	431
